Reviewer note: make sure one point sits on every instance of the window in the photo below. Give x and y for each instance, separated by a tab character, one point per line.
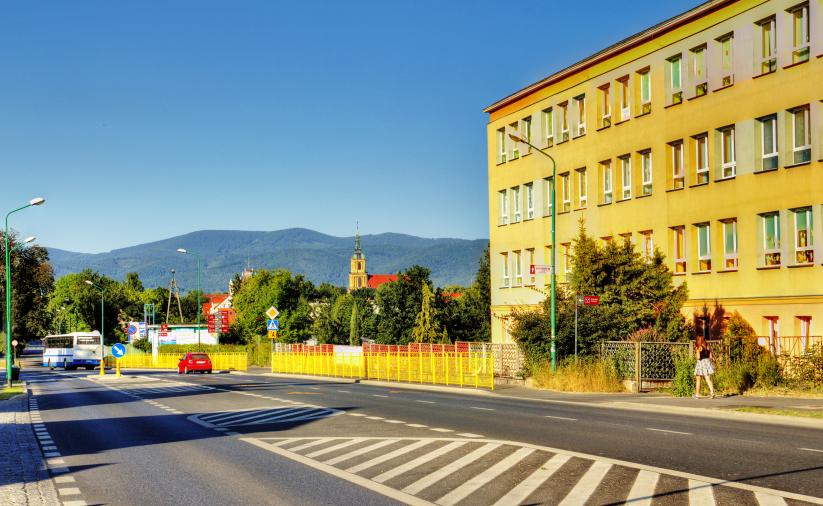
565	183
726	72
646	172
800	33
501	145
517	202
504	258
701	157
768	142
605	106
567	257
518	268
547	191
675	79
768	45
704	250
606	177
623	89
580	103
801	135
771	239
647	244
526	132
582	187
626	176
803	247
548	126
677	164
503	198
727	159
564	121
679	243
530	258
730	244
698	55
514	153
644	76
529	201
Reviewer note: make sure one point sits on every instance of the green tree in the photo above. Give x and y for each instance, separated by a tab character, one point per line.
398	303
32	281
354	325
425	330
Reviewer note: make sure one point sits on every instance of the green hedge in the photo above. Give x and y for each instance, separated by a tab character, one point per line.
258	354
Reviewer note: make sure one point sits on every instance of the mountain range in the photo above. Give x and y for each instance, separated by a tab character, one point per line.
320	257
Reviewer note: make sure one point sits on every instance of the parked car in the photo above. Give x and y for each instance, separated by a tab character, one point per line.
194	362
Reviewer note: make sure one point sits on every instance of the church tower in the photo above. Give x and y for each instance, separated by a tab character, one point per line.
357	272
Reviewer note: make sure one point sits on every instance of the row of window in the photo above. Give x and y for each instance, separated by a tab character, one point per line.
567	119
770	252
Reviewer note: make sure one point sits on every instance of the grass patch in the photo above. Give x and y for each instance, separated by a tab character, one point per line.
587	375
8	393
778	411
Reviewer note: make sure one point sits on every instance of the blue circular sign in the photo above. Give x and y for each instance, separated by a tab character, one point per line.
118	350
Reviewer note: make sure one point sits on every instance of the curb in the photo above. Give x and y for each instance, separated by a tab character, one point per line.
327	379
431	388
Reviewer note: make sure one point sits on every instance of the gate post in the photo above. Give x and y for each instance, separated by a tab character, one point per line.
637	362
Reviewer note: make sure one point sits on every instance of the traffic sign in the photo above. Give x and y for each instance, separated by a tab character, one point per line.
272	334
132	330
540	269
273	324
591	300
272	313
118	350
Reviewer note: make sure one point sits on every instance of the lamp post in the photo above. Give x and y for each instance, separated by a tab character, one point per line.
198	257
517	138
102	320
15	248
33	202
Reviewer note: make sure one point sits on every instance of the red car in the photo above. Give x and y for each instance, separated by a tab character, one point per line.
194	362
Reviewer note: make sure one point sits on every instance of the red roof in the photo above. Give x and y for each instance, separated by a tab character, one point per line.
376	280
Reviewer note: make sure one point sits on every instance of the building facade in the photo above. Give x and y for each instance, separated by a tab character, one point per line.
700	136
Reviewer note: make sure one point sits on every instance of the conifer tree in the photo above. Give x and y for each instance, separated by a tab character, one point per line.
424	330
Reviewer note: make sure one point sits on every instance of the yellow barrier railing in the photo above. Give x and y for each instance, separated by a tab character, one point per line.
219	361
454	369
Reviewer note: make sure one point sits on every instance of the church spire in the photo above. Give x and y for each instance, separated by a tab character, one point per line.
358	250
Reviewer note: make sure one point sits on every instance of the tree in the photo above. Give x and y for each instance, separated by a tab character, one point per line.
354	325
425	330
32	281
398	303
84	302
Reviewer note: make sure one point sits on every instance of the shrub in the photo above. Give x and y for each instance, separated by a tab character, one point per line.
735	378
683	382
768	371
587	375
142	345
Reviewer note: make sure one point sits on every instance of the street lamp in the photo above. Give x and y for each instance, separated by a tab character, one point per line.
187	252
102	319
16	247
517	138
33	202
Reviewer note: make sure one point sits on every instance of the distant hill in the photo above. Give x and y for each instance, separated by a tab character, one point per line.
321	258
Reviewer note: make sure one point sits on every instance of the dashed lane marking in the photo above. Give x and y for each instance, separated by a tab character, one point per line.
469	434
560	418
482	409
670	431
811	450
425	402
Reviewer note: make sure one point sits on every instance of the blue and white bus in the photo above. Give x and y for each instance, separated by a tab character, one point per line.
70	351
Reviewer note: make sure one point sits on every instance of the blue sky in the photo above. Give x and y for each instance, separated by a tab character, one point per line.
144	120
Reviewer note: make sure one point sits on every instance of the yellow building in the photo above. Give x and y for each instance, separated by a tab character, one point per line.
700	136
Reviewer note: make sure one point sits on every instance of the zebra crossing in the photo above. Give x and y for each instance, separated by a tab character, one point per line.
261	416
456	471
165	388
47	377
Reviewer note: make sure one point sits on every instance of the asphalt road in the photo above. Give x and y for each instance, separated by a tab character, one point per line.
159	438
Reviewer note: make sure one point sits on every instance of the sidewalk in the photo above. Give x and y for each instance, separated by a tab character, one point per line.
24	479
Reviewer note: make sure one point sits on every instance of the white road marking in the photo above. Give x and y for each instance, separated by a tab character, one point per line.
64	479
560	418
361	451
394	421
74	503
642	491
379	395
701	493
314	388
408	466
344	391
336	447
375	418
355	414
483	478
468	434
482	409
232	433
671	431
526	487
309	445
68	491
426	402
811	450
388	456
587	484
52	454
438	429
769	500
416	425
450	468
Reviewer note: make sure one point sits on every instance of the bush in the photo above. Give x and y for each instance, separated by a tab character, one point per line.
587	375
142	345
768	371
735	378
683	382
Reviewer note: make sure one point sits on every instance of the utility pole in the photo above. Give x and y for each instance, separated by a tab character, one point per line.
174	289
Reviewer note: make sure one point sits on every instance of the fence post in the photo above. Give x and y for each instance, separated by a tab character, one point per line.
446	358
431	361
397	364
637	361
476	370
460	367
408	362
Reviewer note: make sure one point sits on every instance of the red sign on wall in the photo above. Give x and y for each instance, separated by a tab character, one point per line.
591	300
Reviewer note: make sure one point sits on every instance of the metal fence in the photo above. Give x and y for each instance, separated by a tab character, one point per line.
220	361
649	364
509	359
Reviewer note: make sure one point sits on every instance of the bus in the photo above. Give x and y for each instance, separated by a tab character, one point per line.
70	351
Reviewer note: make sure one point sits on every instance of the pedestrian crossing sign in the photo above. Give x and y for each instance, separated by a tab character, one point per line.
273	324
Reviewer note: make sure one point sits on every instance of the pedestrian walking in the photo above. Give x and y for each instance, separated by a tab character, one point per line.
704	367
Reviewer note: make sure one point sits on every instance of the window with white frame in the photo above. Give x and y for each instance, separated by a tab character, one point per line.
547	193
582	188
623	92
646	172
730	244
803	239
606	177
605	106
800	32
501	145
768	45
516	205
518	268
768	142
675	64
704	247
580	108
565	185
701	157
801	135
564	121
548	126
530	260
678	179
526	132
529	201
504	264
728	164
771	238
647	244
726	44
699	78
679	249
644	76
626	176
503	199
514	151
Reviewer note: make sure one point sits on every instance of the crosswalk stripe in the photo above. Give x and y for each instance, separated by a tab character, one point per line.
388	456
361	451
700	493
309	445
397	471
289	417
587	484
336	447
256	416
239	415
643	489
769	500
432	478
481	479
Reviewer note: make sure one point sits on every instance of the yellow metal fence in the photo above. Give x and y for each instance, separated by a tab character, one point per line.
456	368
219	361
